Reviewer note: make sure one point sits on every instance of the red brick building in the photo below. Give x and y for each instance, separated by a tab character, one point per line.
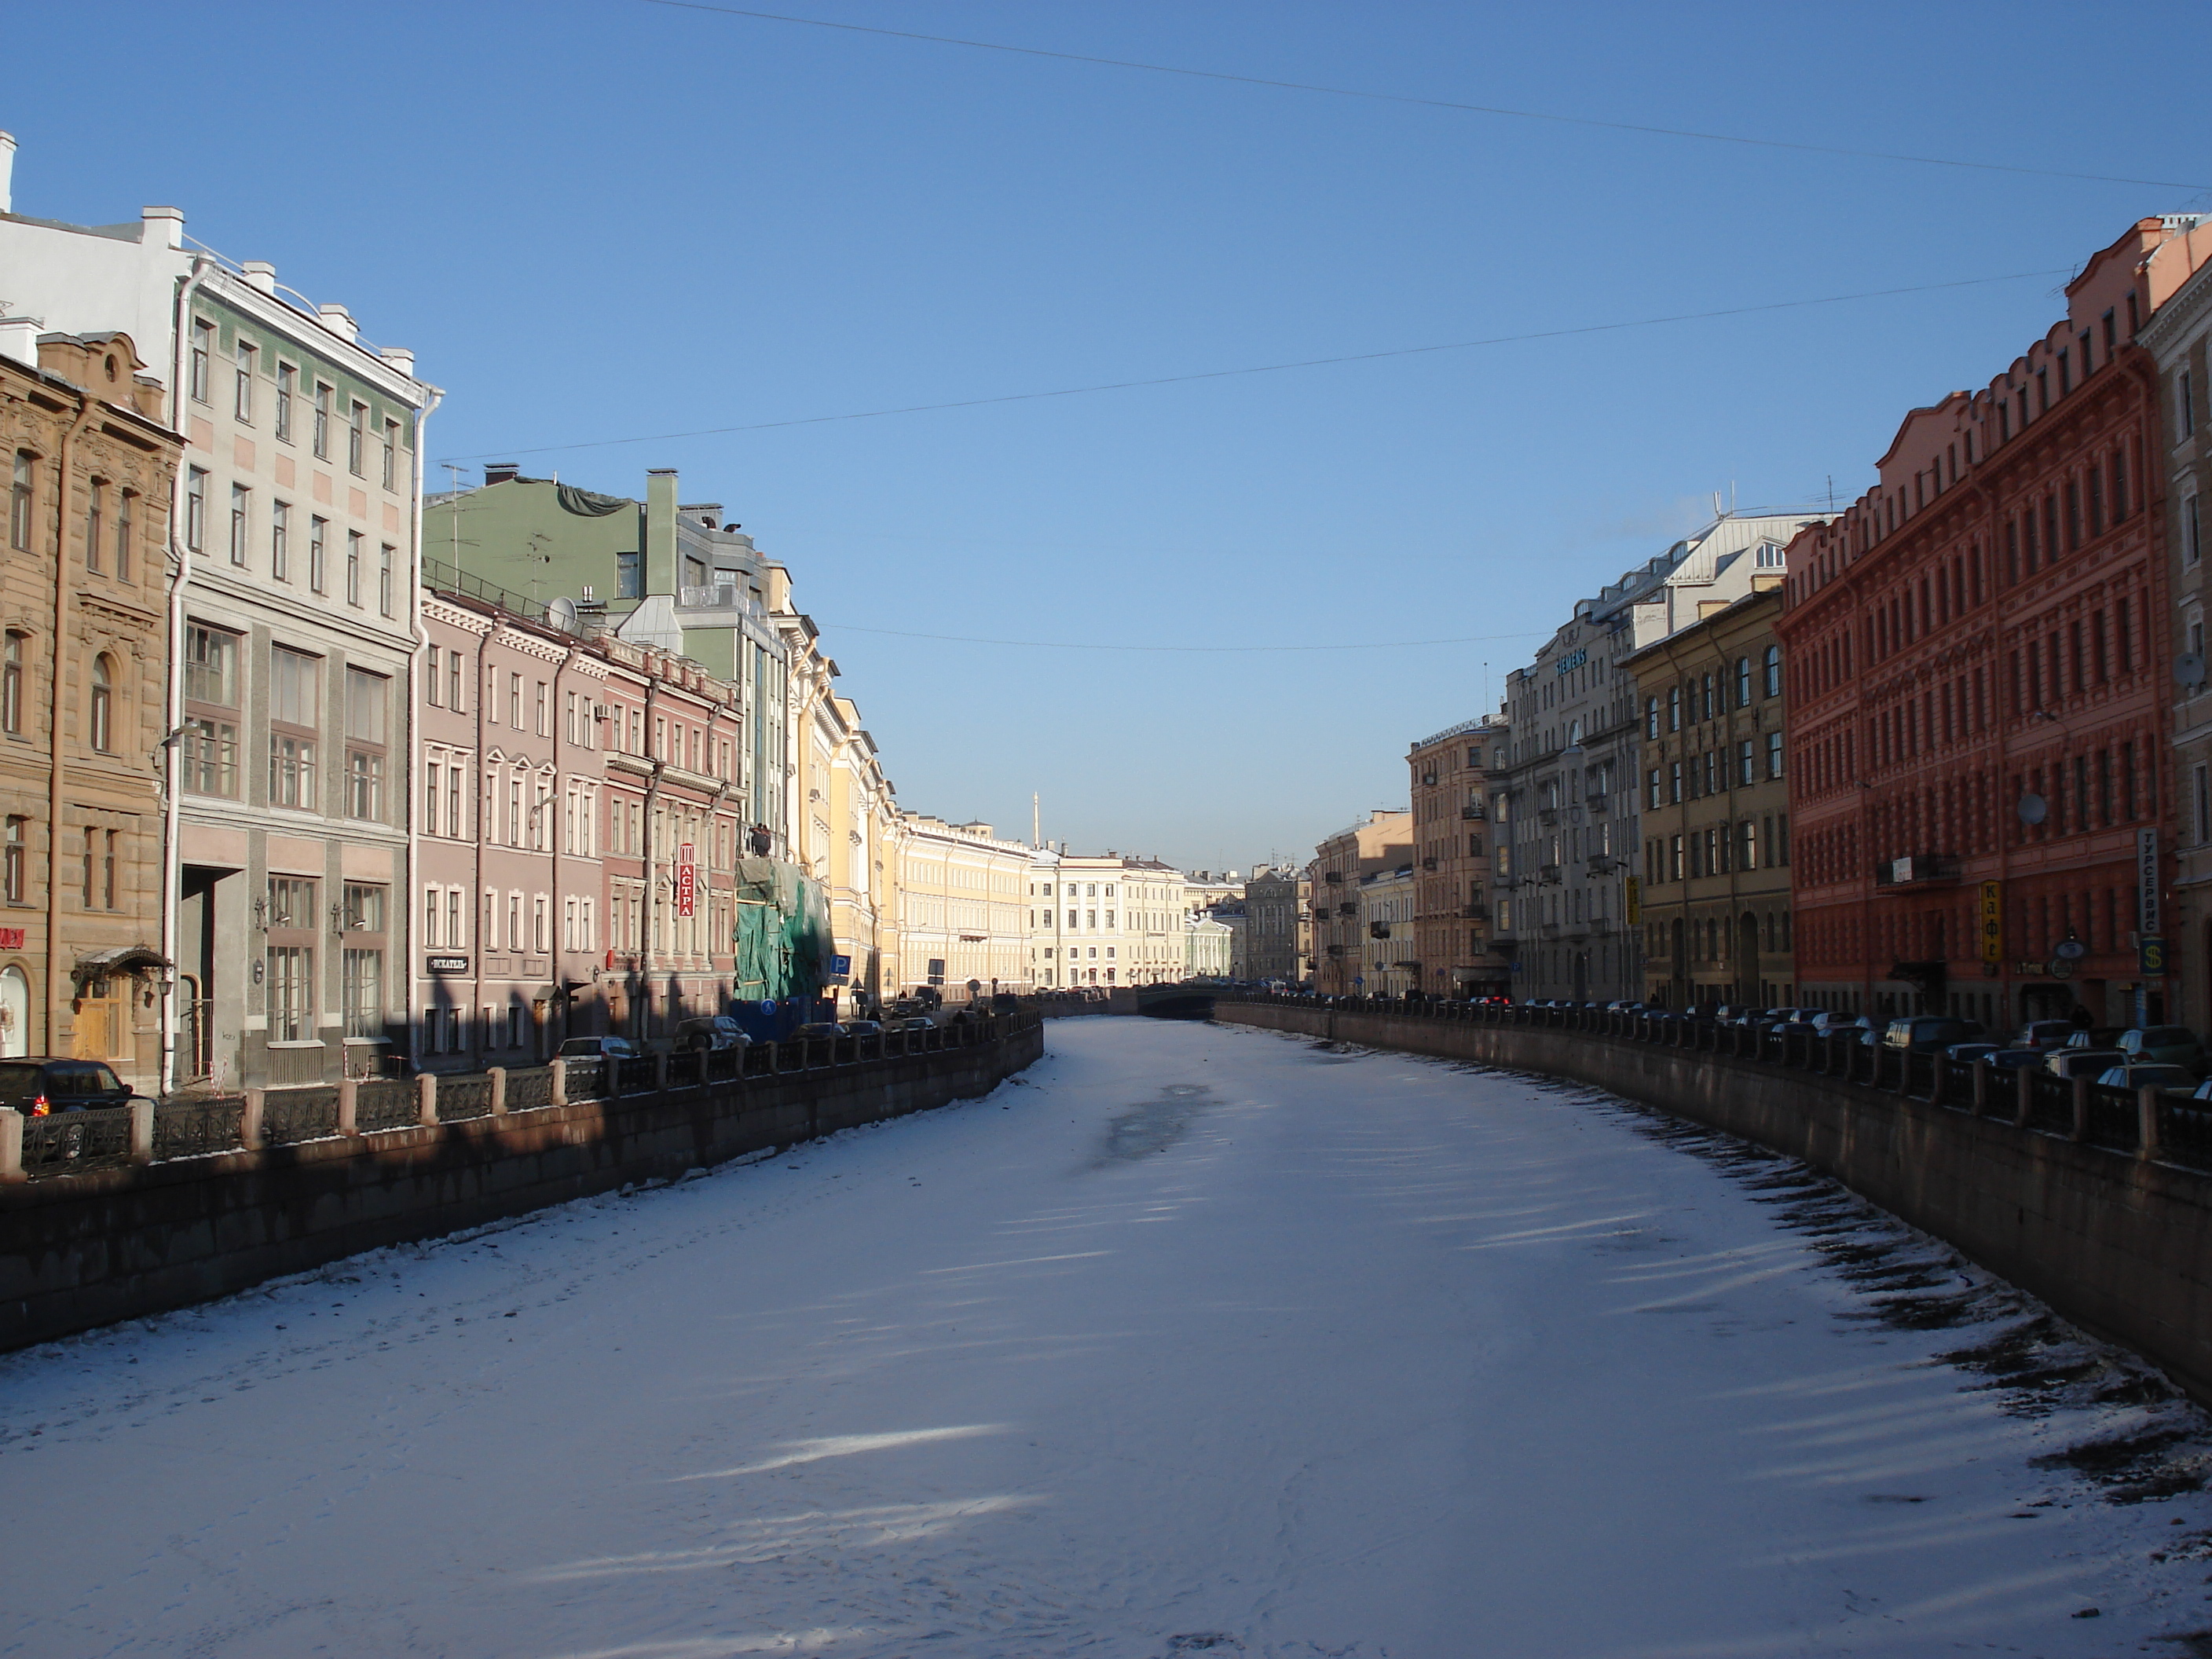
1978	655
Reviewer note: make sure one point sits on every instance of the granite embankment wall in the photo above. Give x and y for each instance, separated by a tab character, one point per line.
2120	1244
82	1250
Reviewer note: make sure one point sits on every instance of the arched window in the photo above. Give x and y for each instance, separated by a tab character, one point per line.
1743	682
101	729
1651	717
1773	687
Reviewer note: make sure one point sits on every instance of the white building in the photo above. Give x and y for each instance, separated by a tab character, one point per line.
961	899
1105	920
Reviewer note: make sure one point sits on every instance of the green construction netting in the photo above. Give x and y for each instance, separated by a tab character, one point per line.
783	941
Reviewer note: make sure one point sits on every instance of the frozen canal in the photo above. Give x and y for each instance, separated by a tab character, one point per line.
1194	1341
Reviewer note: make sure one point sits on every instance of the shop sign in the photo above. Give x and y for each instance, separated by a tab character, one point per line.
2146	881
11	939
1992	922
2151	954
687	881
447	964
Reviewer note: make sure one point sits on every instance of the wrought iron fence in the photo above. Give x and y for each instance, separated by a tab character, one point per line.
2185	1133
385	1103
2113	1118
683	1068
291	1116
634	1074
460	1098
528	1090
65	1142
193	1128
2050	1103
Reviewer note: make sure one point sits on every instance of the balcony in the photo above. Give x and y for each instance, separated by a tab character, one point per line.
1475	913
1547	816
1918	870
1428	864
1334	950
1378	930
1472	814
1600	806
1347	907
1333	877
1548	875
1550	930
1603	926
1601	863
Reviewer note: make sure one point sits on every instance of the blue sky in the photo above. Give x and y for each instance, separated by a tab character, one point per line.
598	220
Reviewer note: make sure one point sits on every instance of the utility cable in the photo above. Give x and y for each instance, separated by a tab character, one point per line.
1424	103
1055	645
1261	368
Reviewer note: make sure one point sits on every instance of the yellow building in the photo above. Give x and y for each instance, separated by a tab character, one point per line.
960	903
1715	811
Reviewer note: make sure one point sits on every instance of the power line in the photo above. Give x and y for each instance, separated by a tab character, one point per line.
1059	644
1424	103
1259	368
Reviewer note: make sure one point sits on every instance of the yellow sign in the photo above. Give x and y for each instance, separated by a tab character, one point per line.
1992	923
1635	904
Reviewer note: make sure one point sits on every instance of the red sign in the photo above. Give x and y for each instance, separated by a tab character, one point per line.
11	939
687	881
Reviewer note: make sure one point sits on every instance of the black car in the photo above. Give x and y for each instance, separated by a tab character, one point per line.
599	1047
37	1087
711	1032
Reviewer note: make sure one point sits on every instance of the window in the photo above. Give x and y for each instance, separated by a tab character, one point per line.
391	454
1771	679
111	840
242	405
434	902
365	697
203	364
294	714
569	717
1773	754
11	685
537	923
322	433
99	726
286	376
96	513
318	531
2192	531
91	860
432	686
21	501
383	580
514	701
280	538
1743	682
434	778
14	859
1655	802
454	669
353	567
241	502
629	583
1748	845
545	710
1706	707
1675	708
125	512
209	739
291	993
357	439
2185	400
1743	766
195	507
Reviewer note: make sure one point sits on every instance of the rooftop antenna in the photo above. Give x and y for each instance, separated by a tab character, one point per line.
1831	492
1036	823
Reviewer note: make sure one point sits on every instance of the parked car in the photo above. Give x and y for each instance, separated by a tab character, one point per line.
819	1027
2094	1036
710	1032
1926	1033
2157	1075
2168	1045
1967	1053
863	1027
598	1048
2082	1062
38	1087
1827	1022
913	1022
2043	1035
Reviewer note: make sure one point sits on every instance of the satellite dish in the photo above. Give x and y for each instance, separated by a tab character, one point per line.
2034	809
2189	668
561	613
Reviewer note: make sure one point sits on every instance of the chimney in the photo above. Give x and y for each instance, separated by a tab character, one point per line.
339	321
502	472
19	338
164	226
260	274
7	172
400	358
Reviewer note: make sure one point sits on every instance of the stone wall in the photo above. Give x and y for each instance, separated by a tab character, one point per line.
85	1250
2121	1245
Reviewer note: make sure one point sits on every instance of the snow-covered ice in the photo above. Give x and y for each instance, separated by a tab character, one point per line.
1194	1339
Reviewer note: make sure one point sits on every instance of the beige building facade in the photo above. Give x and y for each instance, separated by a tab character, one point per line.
1382	842
83	674
1451	830
962	898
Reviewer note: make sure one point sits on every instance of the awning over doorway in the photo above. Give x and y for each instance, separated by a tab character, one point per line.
134	959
